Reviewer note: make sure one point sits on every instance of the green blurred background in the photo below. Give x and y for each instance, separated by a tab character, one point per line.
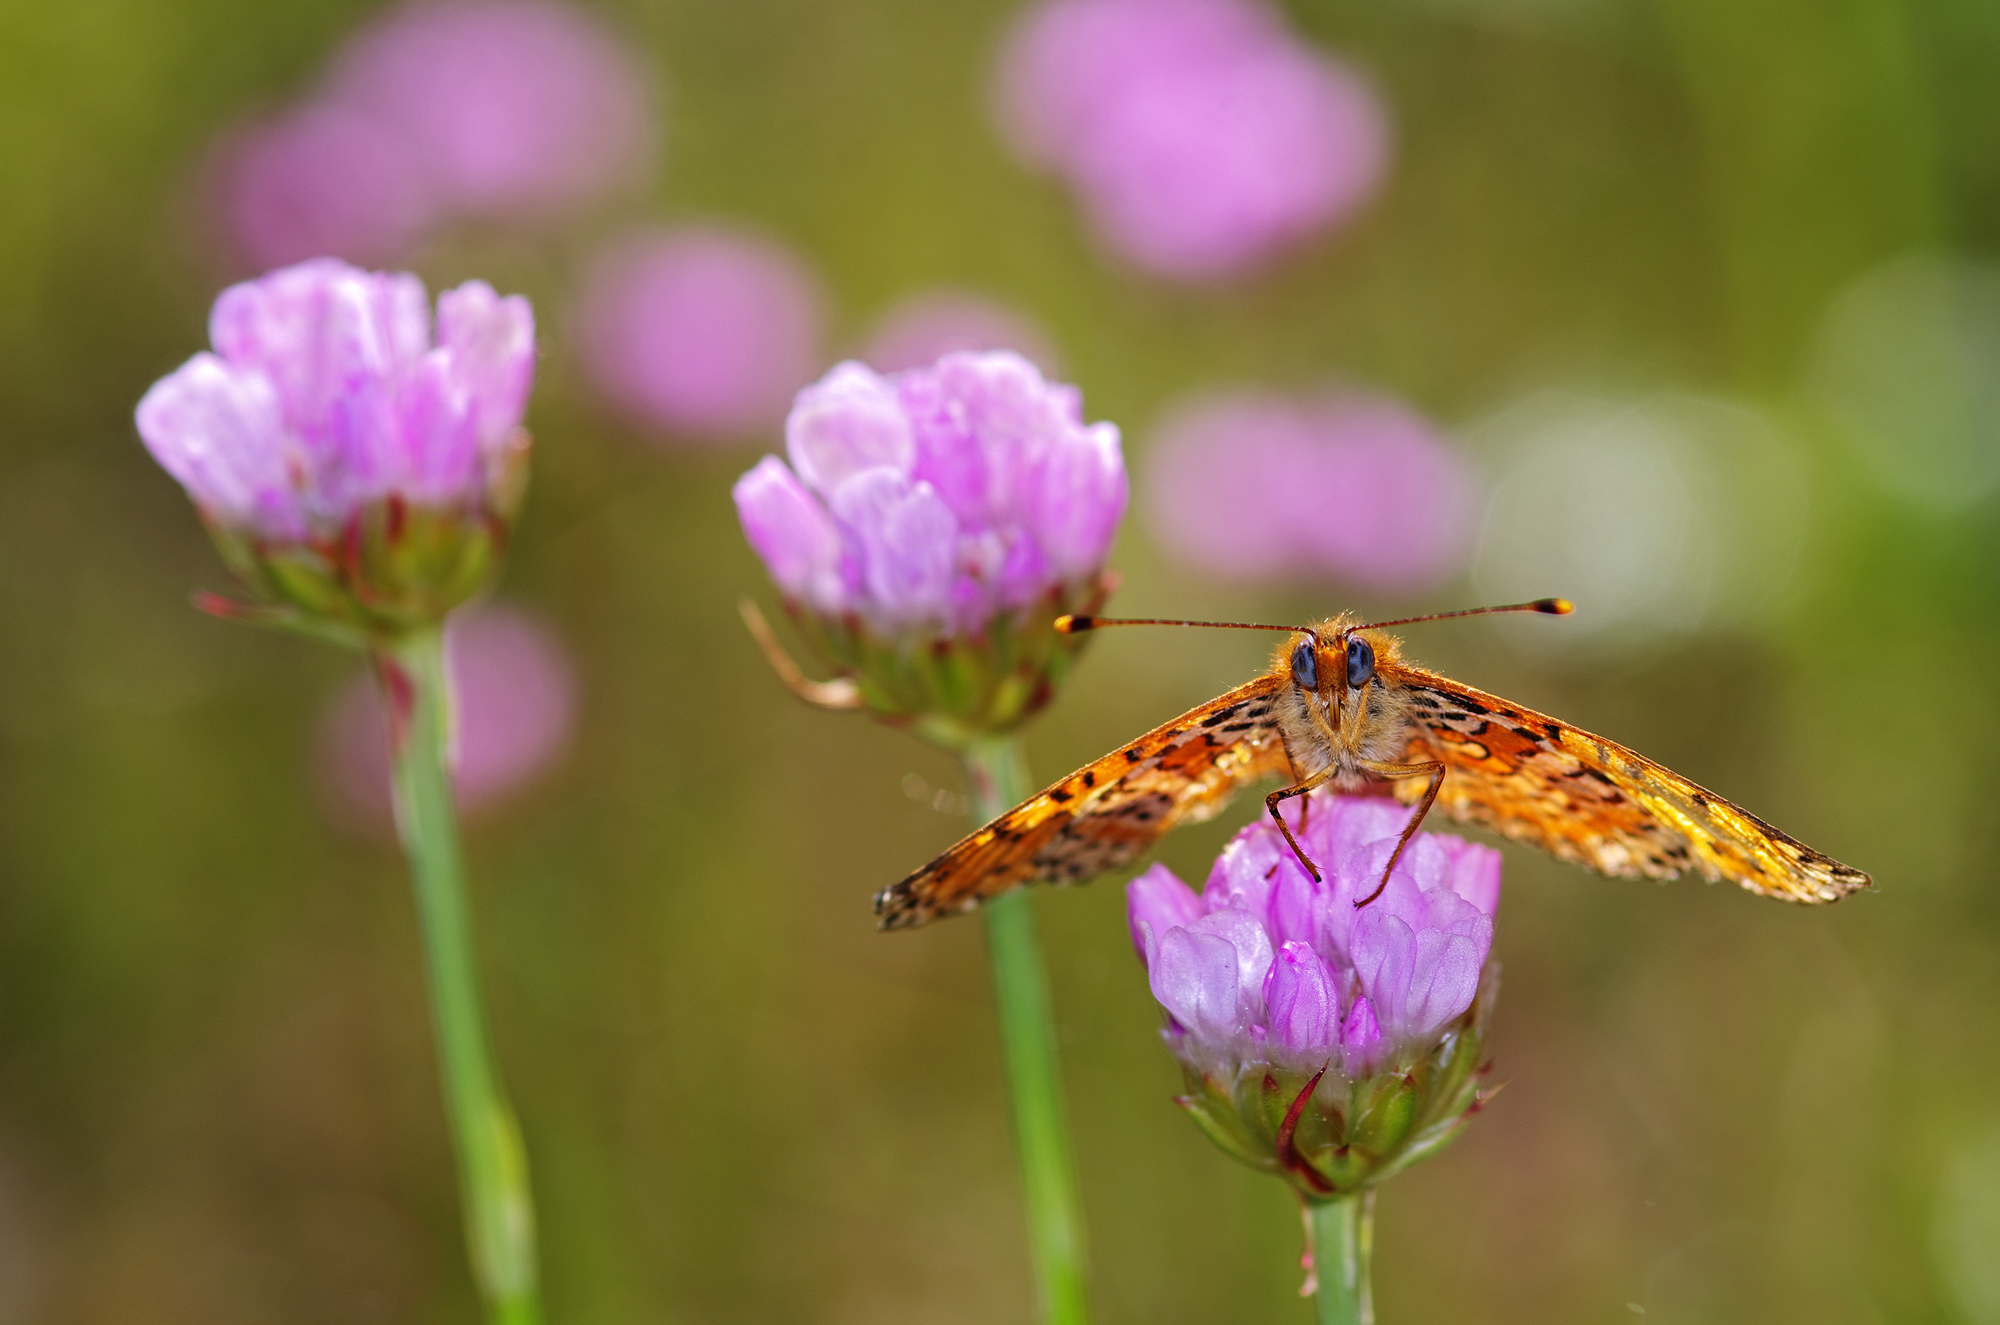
217	1098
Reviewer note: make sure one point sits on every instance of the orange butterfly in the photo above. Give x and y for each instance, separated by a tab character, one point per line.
1339	706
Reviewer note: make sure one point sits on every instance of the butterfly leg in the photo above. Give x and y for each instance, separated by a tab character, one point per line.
1277	798
1431	769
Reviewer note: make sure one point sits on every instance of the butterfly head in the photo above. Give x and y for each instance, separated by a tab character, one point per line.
1333	665
1337	655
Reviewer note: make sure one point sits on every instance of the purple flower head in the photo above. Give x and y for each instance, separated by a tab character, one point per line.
348	462
1202	135
1358	487
705	332
936	498
1267	966
326	392
513	709
929	527
1327	1045
920	330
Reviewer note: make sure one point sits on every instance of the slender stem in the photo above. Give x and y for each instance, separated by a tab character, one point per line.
999	779
1343	1237
492	1165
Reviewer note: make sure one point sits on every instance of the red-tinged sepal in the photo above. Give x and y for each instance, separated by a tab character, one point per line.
1332	1136
390	568
277	617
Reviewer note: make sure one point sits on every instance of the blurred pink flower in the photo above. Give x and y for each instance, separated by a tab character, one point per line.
704	331
1354	486
323	180
436	111
513	104
922	328
1068	61
514	705
1202	136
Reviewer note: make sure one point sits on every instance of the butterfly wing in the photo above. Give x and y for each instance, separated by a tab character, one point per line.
1107	813
1591	801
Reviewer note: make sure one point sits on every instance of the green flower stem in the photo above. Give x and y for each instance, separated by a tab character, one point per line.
1343	1241
492	1165
999	779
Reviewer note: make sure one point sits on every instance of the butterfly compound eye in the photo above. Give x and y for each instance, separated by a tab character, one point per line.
1360	662
1305	669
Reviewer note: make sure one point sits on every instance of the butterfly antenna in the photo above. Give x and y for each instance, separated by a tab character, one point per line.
1546	606
1072	625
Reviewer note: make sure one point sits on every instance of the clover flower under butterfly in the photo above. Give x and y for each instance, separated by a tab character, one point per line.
1328	1044
929	528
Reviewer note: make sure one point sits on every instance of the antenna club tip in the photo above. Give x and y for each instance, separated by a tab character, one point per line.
1555	606
1072	624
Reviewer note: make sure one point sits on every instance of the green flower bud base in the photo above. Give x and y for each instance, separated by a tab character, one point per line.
394	567
954	689
1330	1136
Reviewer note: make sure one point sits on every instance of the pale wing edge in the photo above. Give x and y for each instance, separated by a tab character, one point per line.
1683	806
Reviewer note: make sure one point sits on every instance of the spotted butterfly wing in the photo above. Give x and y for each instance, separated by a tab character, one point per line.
1595	803
1107	813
